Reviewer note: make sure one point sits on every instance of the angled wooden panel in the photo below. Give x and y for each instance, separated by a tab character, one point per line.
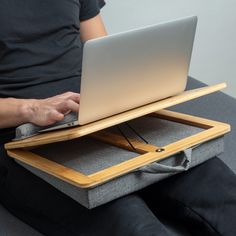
76	132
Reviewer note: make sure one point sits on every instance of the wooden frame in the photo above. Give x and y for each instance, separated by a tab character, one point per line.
76	132
147	153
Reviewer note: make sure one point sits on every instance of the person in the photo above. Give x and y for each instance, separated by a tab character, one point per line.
41	46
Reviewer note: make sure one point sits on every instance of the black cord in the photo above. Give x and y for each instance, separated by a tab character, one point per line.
139	135
127	139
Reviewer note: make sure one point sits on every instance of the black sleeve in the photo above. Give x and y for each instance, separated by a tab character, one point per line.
90	8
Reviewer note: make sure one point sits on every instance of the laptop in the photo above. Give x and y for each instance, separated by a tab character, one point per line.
133	68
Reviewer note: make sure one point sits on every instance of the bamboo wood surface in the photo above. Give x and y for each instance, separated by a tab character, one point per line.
212	129
119	141
187	119
69	175
150	157
79	131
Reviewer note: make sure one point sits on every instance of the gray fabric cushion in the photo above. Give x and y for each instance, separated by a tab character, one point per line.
218	106
89	156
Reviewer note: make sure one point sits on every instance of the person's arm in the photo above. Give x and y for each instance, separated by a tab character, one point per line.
92	28
14	112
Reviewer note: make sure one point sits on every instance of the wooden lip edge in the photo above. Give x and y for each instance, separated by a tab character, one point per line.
224	129
90	180
81	180
180	117
98	126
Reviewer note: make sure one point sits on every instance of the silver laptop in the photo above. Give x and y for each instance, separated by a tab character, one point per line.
133	68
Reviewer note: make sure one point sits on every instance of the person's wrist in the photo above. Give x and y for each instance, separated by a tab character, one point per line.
27	110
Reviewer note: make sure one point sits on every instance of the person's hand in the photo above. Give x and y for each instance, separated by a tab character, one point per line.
48	111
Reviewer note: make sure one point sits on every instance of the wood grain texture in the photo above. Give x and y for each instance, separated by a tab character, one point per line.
150	157
120	141
69	175
187	119
212	129
76	132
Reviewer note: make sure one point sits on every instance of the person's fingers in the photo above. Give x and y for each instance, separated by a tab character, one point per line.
75	98
71	96
55	116
73	106
67	106
51	110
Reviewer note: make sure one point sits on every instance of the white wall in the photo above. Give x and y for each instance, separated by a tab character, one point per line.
214	55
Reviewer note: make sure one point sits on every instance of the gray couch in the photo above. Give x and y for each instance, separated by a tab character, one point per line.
217	106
